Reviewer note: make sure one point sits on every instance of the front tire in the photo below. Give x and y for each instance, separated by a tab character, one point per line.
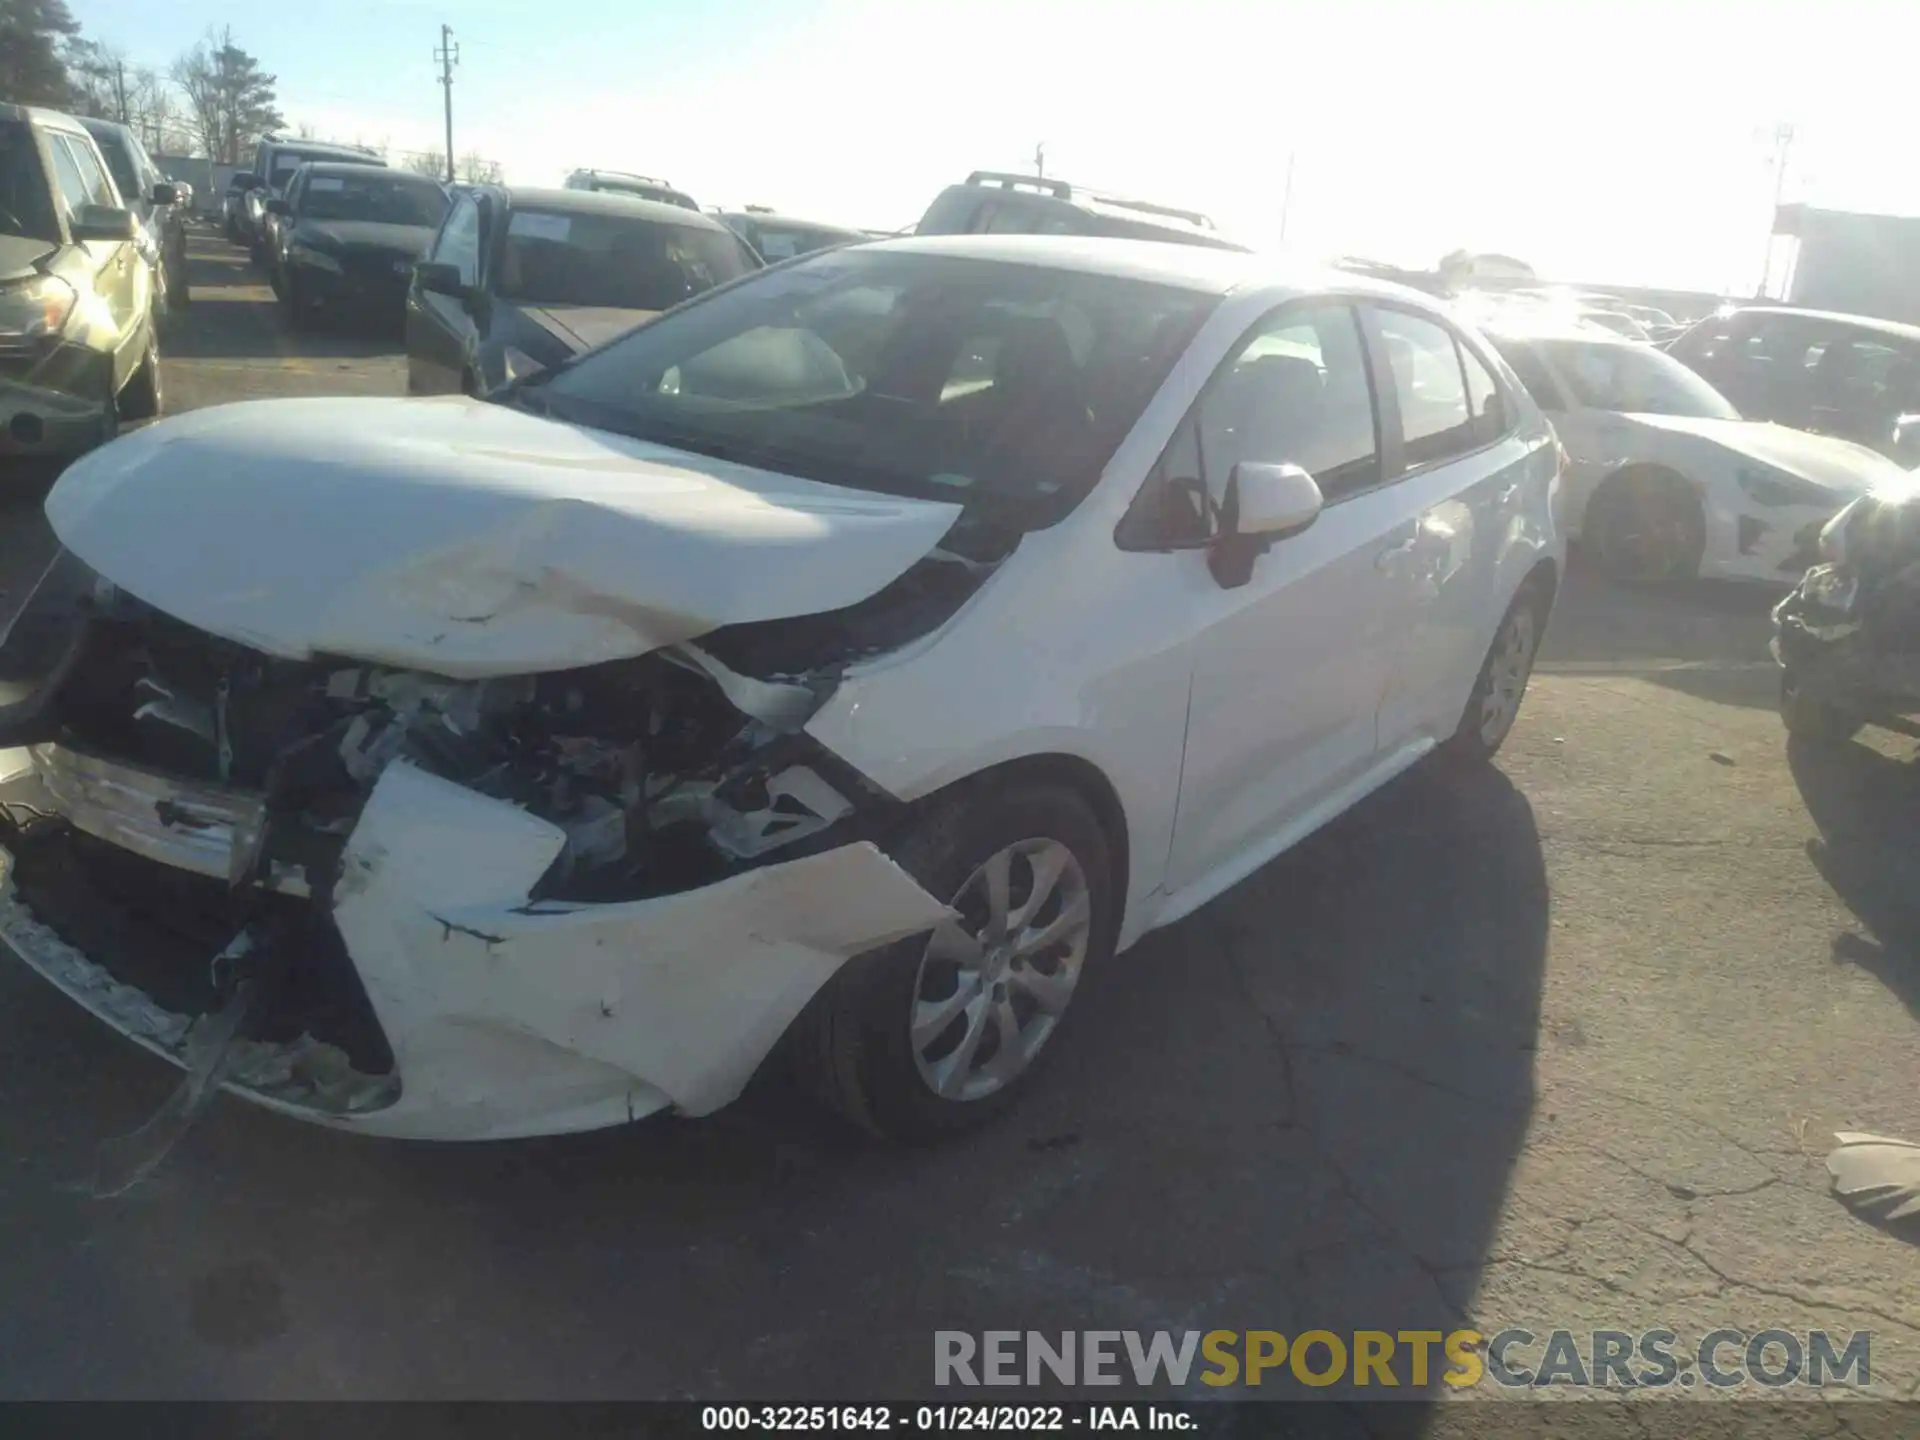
142	399
1502	683
1812	719
940	1033
1646	527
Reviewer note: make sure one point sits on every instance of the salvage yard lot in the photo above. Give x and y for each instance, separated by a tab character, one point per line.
1560	1045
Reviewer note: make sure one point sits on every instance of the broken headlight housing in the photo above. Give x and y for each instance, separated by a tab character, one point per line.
34	309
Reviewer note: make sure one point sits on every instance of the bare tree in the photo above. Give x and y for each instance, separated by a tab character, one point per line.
96	79
425	162
476	169
230	96
306	131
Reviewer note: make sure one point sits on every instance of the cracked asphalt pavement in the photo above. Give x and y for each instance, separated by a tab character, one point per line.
1558	1045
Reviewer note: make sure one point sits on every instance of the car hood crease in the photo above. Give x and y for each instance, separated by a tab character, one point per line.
464	538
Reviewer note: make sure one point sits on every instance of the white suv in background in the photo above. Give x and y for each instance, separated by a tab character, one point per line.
856	654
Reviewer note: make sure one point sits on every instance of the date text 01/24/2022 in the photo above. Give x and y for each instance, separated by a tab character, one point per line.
828	1419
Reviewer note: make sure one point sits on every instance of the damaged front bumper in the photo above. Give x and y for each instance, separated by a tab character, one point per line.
431	997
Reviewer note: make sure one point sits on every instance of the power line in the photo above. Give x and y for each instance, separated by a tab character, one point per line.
449	56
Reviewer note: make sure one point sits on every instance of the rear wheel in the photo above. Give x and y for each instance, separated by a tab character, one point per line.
141	398
943	1032
1502	683
1646	527
1814	719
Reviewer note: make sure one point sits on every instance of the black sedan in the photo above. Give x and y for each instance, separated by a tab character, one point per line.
519	280
348	238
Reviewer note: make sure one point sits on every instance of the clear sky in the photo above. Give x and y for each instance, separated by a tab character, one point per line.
1627	142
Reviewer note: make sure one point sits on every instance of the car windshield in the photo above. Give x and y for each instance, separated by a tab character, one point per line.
1633	379
624	261
285	162
24	208
965	380
778	241
377	195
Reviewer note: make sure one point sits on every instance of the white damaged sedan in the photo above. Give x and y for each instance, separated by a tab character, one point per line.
851	658
1666	481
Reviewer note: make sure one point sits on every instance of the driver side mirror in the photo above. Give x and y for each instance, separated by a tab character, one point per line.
439	278
165	193
1263	503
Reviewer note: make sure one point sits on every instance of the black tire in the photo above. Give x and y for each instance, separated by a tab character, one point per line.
1476	740
853	1044
293	302
1816	720
257	255
1645	527
141	398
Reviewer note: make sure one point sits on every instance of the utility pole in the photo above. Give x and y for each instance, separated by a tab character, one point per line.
449	56
1782	144
120	86
1286	198
1040	160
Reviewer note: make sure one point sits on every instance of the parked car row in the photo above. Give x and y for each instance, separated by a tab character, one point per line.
83	267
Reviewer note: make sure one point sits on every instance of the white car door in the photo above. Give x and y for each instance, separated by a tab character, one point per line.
1288	666
1460	491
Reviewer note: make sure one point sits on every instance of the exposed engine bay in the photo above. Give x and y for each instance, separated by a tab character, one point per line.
665	771
1849	633
183	860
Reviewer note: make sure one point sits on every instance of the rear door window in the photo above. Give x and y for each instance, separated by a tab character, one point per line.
1436	421
1525	362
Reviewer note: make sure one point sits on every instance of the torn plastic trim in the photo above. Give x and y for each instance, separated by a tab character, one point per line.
684	993
183	823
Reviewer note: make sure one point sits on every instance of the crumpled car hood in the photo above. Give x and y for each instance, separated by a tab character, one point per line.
1842	466
465	539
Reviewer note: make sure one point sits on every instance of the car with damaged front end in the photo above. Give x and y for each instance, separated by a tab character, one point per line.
837	667
1847	639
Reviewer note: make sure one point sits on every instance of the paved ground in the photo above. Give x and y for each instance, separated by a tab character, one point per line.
1559	1045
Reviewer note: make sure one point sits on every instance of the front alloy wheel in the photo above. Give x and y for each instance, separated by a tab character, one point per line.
943	1031
994	983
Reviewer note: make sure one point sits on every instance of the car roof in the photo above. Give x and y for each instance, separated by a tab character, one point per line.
99	126
770	217
349	167
1892	328
1190	267
39	115
322	147
602	202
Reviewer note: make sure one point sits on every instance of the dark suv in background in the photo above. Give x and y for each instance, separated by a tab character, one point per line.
155	202
79	350
989	202
346	240
520	280
274	161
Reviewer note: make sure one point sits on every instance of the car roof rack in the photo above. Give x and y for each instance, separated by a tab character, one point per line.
630	175
759	209
1062	190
